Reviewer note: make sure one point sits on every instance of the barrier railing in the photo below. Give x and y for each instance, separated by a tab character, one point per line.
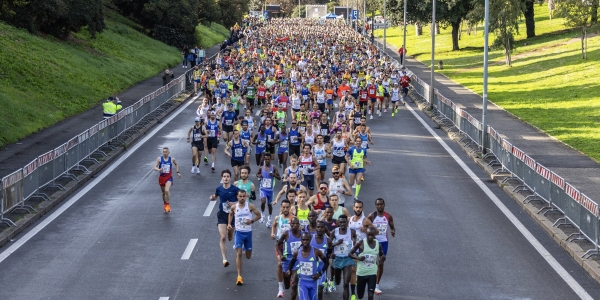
50	171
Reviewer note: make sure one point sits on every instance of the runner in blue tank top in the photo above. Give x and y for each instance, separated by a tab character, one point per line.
260	140
288	243
306	260
321	241
282	138
266	174
164	165
235	151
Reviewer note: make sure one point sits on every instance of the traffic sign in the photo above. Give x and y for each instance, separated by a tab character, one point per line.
354	14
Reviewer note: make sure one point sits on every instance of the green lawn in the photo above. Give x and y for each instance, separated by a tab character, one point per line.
211	35
548	86
44	80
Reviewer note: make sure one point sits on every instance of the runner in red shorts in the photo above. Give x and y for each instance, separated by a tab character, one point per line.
164	165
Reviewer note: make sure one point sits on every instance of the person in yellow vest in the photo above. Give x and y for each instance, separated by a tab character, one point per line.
111	107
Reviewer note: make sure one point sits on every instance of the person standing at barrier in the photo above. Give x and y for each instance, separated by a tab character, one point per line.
198	134
164	164
241	215
111	107
402	52
370	257
227	194
382	221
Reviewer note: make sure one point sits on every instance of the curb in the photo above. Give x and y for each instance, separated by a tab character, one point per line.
591	266
56	198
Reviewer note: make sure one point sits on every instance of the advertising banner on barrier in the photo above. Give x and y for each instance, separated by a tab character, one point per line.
589	204
28	169
72	143
518	153
12	190
12	179
45	158
543	171
572	192
83	136
60	150
507	146
529	161
557	180
92	130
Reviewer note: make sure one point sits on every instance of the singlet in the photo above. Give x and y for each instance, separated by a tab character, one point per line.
320	154
365	140
213	129
343	249
283	142
357	157
302	215
250	92
334	188
302	126
245	187
321	97
197	134
229	118
266	183
241	215
295	102
309	139
395	94
382	224
246	136
237	150
357	225
307	266
294	137
307	163
166	166
369	265
283	225
349	106
262	143
357	116
292	244
324	128
320	203
337	148
321	246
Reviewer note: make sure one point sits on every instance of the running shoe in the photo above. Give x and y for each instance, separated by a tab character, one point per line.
353	297
167	207
392	114
268	224
332	287
198	170
239	281
378	291
193	169
362	178
212	169
262	219
379	112
371	118
206	160
225	263
280	294
385	110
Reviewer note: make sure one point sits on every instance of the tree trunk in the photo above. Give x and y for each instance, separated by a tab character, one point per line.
507	53
437	28
528	12
595	4
583	43
418	29
455	34
551	7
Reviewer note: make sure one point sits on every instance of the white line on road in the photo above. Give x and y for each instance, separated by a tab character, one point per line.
19	243
578	289
210	207
188	250
163	298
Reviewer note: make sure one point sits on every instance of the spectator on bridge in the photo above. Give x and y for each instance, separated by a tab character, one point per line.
201	54
167	76
185	52
402	52
111	107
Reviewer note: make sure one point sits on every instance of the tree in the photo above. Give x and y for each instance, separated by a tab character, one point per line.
302	11
528	13
255	4
576	14
208	11
595	4
172	22
448	13
232	11
7	7
503	22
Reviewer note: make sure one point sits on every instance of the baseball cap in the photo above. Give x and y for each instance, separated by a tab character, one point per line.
335	169
244	122
229	104
111	98
197	119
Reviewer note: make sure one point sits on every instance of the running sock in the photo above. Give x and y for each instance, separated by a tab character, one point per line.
357	190
281	285
376	286
213	164
353	289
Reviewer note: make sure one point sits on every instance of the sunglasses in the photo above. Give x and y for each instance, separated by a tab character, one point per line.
335	173
323	188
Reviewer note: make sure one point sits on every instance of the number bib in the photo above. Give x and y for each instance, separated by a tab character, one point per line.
228	122
295	246
238	152
338	152
294	139
166	169
357	164
266	183
369	260
343	249
364	144
226	207
240	223
382	228
303	223
197	136
282	229
306	268
211	133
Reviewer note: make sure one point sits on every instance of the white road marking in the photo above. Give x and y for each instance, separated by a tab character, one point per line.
163	298
578	289
210	207
257	113
188	250
35	230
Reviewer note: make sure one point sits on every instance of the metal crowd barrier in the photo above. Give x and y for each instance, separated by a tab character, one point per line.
552	190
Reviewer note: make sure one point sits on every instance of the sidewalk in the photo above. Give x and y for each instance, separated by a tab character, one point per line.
579	170
17	155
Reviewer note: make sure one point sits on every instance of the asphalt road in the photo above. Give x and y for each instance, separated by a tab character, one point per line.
452	241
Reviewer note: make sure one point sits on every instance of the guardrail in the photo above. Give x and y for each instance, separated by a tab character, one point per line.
50	171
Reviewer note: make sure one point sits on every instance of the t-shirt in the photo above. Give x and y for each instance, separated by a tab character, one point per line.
226	195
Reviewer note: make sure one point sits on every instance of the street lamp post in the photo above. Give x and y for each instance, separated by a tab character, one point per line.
485	77
431	92
384	27
404	42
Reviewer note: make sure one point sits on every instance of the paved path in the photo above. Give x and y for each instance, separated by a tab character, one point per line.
577	169
452	241
17	155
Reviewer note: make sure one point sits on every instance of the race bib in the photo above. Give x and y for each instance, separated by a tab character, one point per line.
197	136
294	139
357	164
305	97
320	161
240	223
266	183
303	223
382	228
369	260
338	152
228	122
364	144
262	143
324	132
283	228
306	268
295	246
238	152
226	208
166	168
211	133
342	249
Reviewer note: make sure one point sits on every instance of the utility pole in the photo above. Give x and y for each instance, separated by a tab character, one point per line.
404	42
485	77
384	27
431	85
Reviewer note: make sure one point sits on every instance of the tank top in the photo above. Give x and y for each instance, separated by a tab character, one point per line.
283	141
365	140
213	128
289	171
324	130
321	203
197	134
357	225
349	106
262	143
369	265
237	150
309	139
283	225
166	166
395	94
342	249
266	183
321	246
245	136
321	97
307	165
241	215
307	266
337	148
320	154
336	187
250	123
381	223
302	215
292	244
245	187
357	117
294	137
357	160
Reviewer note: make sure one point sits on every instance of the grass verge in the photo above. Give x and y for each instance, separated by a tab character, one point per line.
548	86
44	80
209	36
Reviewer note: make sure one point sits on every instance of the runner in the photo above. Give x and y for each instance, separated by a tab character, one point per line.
282	225
260	140
227	195
266	174
293	168
338	147
288	244
246	136
213	127
308	164
241	214
237	153
282	139
321	152
382	221
301	209
229	118
245	184
357	156
309	268
321	200
295	139
370	256
359	223
198	135
292	185
321	241
342	241
395	95
164	165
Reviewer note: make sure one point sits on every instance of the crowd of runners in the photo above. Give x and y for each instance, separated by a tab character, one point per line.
297	93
